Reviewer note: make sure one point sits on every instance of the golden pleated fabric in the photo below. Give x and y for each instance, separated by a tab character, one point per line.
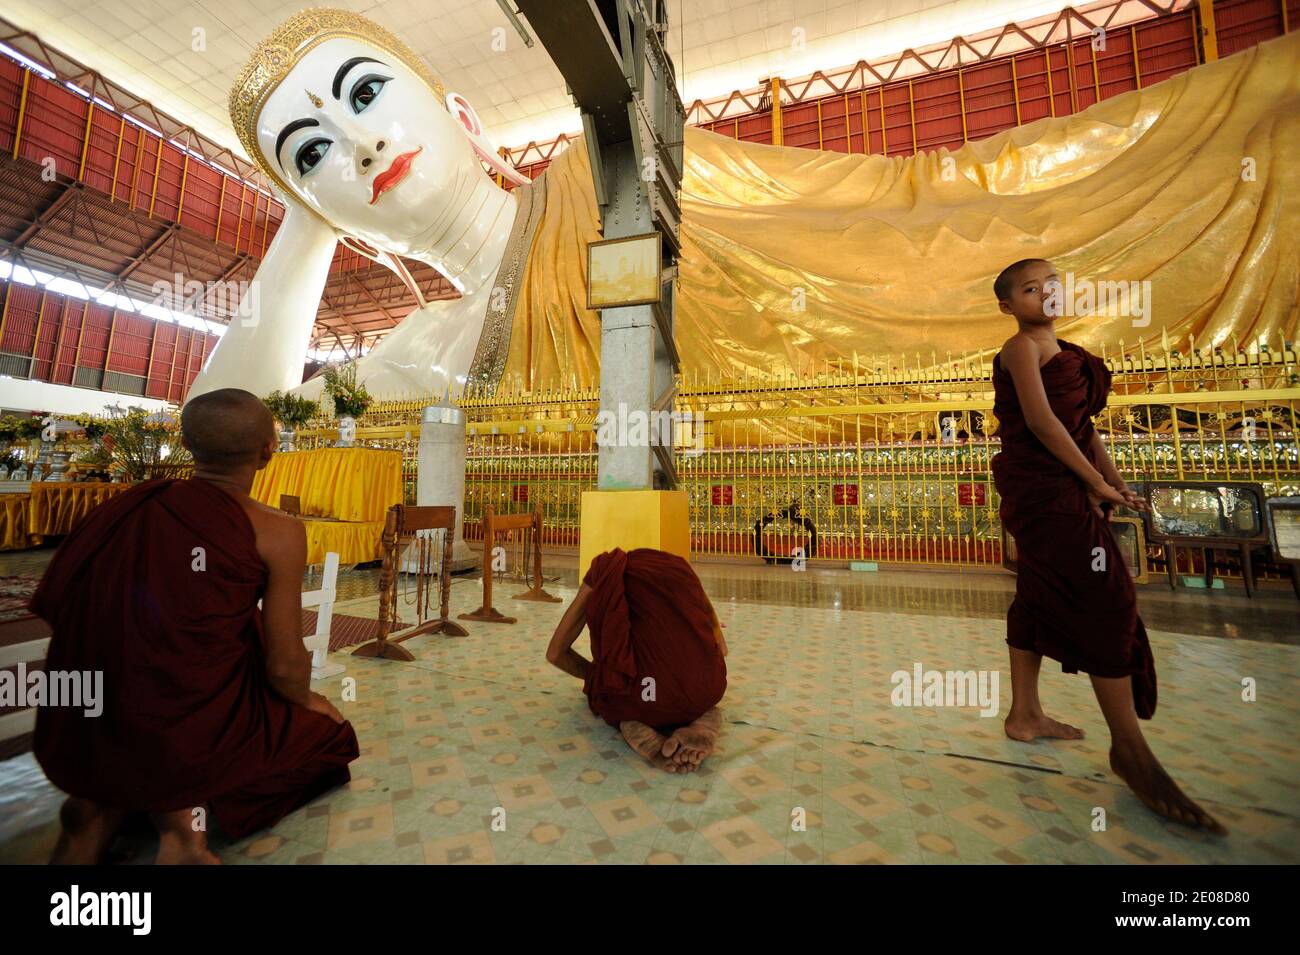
57	507
1190	184
355	542
350	484
14	516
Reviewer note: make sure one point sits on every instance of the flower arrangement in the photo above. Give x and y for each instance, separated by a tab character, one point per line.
350	398
292	411
29	429
92	427
138	440
94	463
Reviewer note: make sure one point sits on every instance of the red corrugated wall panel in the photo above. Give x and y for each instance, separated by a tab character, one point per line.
74	313
938	114
230	212
131	159
11	84
94	340
131	335
990	102
164	352
53	124
103	147
47	332
1087	82
150	148
896	119
22	305
167	200
202	190
1031	81
274	219
1243	23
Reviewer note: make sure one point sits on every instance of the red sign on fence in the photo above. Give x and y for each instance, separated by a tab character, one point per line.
976	494
844	494
723	495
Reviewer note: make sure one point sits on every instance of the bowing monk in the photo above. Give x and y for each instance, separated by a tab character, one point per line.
208	705
1075	601
657	670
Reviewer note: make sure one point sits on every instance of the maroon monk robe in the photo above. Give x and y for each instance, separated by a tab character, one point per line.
189	717
648	617
1083	618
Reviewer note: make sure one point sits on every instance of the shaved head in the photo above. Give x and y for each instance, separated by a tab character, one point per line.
1006	281
226	428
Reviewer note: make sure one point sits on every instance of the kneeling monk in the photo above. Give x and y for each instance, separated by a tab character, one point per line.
657	670
207	701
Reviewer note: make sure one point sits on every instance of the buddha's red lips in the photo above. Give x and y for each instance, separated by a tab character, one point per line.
393	174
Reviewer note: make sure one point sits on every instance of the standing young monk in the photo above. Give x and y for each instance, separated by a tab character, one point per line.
1075	601
208	702
657	670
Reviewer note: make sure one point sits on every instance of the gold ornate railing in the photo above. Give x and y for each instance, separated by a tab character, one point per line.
887	458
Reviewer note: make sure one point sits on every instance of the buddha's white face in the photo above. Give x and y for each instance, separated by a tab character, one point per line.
380	159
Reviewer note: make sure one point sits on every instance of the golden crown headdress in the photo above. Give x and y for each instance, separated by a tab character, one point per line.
276	55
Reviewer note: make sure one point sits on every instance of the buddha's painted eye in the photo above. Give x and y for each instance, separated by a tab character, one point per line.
309	154
367	91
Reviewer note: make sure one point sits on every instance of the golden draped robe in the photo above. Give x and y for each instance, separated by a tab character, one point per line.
1189	184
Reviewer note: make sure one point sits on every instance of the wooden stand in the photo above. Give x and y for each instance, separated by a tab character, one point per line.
1230	538
400	529
493	525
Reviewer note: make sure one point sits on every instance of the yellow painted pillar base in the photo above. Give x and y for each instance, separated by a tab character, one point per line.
632	519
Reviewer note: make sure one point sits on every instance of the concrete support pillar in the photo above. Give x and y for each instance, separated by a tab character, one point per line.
441	475
627	335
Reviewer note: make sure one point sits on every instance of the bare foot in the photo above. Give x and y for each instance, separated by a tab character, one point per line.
1038	726
648	743
1143	774
88	828
690	745
179	843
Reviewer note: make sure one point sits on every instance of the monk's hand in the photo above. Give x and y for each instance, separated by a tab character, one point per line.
318	704
1103	493
1133	501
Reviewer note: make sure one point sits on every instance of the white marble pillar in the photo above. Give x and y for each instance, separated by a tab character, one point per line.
441	476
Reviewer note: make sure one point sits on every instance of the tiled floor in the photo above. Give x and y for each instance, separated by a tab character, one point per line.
480	752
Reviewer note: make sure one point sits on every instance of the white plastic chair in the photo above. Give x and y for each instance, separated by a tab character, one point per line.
32	651
323	600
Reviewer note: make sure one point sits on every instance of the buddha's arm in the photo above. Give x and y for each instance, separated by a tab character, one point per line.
263	347
560	653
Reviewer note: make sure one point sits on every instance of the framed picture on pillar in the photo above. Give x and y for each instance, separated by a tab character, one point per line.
624	271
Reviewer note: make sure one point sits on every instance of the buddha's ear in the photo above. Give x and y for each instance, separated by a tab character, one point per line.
464	114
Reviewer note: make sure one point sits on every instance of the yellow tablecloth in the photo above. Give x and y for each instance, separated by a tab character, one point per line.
14	510
350	484
354	542
57	507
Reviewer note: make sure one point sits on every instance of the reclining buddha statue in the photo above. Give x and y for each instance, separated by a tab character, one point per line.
792	259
